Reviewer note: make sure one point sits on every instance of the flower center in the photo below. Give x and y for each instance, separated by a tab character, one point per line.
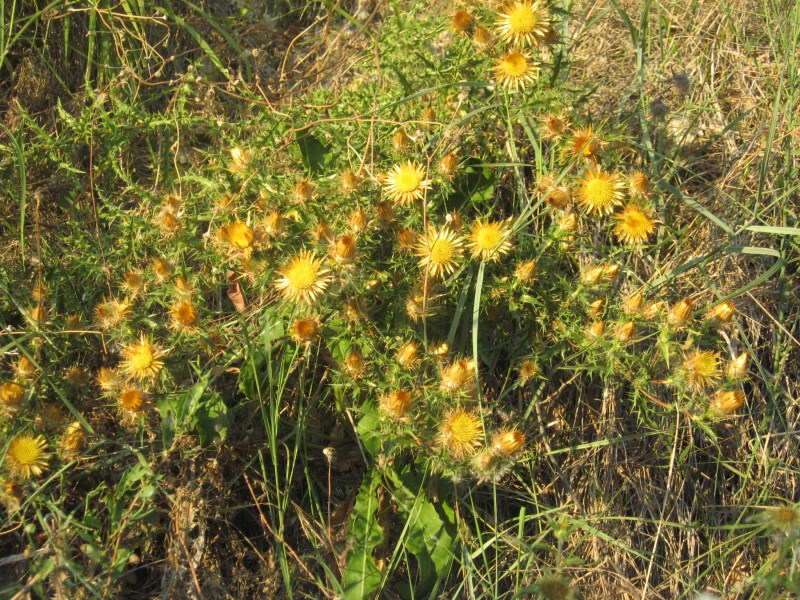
464	428
441	252
142	357
523	19
515	65
303	275
488	238
27	451
599	191
407	180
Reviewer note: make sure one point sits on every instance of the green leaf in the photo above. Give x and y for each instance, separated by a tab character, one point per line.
369	430
315	154
361	577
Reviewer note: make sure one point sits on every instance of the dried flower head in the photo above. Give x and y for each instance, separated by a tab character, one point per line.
515	70
162	269
11	395
624	331
323	232
73	438
344	249
439	251
632	303
303	191
460	433
240	158
420	302
132	400
595	330
303	279
401	141
349	181
396	403
142	360
482	38
133	283
584	144
24	368
634	226
406	183
305	329
600	273
462	21
525	272
554	126
76	376
448	165
737	367
489	240
385	211
458	376
183	315
406	239
596	307
354	364
274	224
722	312
528	369
639	184
680	312
782	520
111	313
27	456
408	354
702	369
727	402
523	22
108	380
358	220
38	315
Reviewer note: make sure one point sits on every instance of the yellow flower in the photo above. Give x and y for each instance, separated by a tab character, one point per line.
702	369
132	400
111	313
737	367
554	126
727	402
354	364
25	369
274	223
107	379
73	437
596	330
26	456
596	307
344	249
439	251
680	312
525	272
524	22
514	70
782	519
625	331
508	442
303	279
358	220
489	240
11	395
632	303
634	225
458	375
460	433
303	191
239	235
38	315
584	144
141	360
406	182
600	192
304	329
396	403
162	268
183	314
408	354
722	312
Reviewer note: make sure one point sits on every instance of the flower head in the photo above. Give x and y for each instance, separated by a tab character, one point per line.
141	360
702	369
458	375
460	433
489	240
354	364
463	21
26	456
723	312
737	367
782	519
406	182
727	402
304	329
183	315
600	192
680	312
349	181
11	395
584	144
524	22
238	235
132	400
24	369
514	70
396	403
408	354
634	225
525	272
508	442
439	251
554	126
303	279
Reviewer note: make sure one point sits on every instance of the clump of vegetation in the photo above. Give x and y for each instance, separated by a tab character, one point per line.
432	328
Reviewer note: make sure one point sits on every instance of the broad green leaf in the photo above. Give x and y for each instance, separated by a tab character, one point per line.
361	577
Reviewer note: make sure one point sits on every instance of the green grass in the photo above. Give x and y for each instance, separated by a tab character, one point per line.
260	462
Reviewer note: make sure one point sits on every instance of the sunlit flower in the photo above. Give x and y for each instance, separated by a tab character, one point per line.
141	360
625	331
240	158
584	144
489	240
722	312
162	269
596	330
25	369
462	21
524	22
108	380
408	354
358	220
439	251
11	395
38	315
183	315
303	191
406	183
344	249
727	402
132	400
274	223
27	456
460	433
304	329
680	312
303	279
634	226
239	235
702	369
525	272
73	438
639	183
783	520
632	303
600	192
554	126
509	442
596	307
458	375
514	70
396	403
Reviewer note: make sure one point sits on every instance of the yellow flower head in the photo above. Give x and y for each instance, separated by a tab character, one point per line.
303	191
303	279
132	400
141	360
448	165
111	313
183	314
107	379
406	182
239	235
514	70
680	312
632	303
600	192
554	126
162	269
354	364
625	331
702	369
400	140
26	456
358	220
489	240
782	519
73	438
25	369
396	403
524	22
727	402
525	272
460	433
11	395
584	144
458	375
304	329
508	442
722	312
344	249
274	223
408	354
634	225
439	251
737	367
528	369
